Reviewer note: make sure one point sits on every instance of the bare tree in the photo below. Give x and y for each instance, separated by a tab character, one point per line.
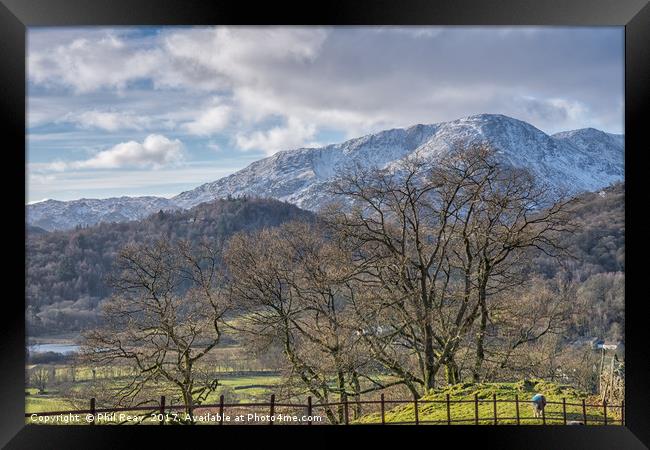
40	377
295	288
519	320
165	317
436	238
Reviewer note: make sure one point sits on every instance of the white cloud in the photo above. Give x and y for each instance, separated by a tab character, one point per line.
155	151
546	113
214	147
210	121
355	80
220	57
89	64
412	31
108	120
75	184
256	104
213	86
204	58
295	134
349	80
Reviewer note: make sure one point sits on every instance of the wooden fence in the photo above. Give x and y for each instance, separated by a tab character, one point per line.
161	411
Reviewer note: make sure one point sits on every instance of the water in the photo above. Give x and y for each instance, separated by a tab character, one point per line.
64	349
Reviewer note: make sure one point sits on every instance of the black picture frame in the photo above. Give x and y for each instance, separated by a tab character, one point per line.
16	15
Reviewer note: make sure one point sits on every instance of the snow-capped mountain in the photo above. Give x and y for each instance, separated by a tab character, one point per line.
57	215
296	175
595	142
573	161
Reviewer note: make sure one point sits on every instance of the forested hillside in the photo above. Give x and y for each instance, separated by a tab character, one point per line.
66	269
598	241
597	268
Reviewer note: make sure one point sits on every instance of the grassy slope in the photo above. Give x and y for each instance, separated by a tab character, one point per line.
507	411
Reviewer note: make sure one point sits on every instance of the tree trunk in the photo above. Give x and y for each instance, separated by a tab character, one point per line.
430	368
452	373
187	388
480	338
189	406
343	396
357	396
328	411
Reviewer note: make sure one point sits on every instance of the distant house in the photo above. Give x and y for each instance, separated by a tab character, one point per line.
599	344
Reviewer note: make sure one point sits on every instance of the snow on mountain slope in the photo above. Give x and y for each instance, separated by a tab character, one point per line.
300	176
570	164
290	175
57	215
597	144
571	161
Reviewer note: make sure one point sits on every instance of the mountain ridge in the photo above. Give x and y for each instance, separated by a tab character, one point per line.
575	161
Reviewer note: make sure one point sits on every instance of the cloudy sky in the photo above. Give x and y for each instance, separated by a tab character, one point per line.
155	111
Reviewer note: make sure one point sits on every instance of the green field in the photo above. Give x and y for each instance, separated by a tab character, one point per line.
506	412
241	389
46	402
258	387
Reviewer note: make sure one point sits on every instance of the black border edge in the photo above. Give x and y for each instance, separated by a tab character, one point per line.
348	12
12	120
637	93
15	15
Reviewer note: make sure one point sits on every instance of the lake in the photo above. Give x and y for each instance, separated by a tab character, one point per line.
56	348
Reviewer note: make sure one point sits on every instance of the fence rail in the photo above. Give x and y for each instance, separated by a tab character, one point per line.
161	409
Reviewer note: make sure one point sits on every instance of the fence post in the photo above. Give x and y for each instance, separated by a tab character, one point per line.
162	410
564	409
622	412
345	407
272	409
605	410
383	410
417	413
92	410
494	401
476	409
584	411
221	409
544	416
448	411
309	410
517	407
